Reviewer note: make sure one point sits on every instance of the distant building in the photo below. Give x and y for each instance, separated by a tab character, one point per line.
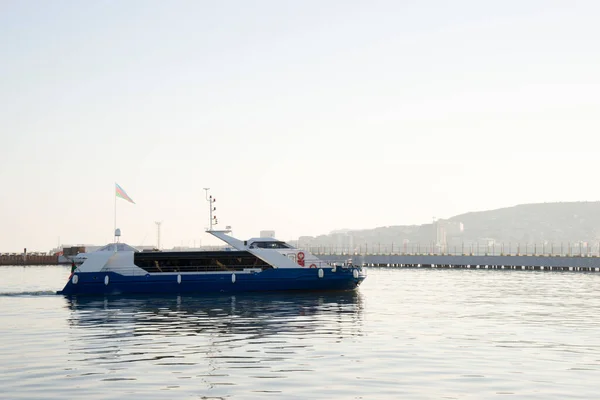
343	241
439	235
305	241
267	234
73	251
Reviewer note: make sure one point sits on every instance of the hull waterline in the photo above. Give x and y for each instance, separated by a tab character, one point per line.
109	283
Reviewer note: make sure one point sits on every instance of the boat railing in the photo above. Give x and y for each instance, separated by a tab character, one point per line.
327	264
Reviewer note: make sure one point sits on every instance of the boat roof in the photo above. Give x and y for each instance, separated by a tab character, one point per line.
120	247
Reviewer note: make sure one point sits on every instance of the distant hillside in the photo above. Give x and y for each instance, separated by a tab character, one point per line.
551	222
526	223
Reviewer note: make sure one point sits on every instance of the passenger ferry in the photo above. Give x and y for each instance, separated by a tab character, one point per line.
259	264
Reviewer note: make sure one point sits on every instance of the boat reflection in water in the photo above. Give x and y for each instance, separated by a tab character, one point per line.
243	329
258	313
214	344
225	344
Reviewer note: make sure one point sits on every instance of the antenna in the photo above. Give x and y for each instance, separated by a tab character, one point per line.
158	223
212	219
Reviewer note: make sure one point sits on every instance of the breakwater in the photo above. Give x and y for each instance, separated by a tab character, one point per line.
28	259
508	262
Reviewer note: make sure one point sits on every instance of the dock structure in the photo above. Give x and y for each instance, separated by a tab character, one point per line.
507	262
28	259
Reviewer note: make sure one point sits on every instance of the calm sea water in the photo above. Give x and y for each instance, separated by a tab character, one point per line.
415	334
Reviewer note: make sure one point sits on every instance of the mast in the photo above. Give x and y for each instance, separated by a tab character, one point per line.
158	223
212	219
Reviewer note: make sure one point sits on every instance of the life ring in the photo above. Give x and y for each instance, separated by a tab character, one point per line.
301	259
313	266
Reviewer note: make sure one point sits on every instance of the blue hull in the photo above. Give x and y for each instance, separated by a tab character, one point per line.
300	279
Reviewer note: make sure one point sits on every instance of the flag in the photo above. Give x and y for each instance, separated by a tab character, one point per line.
121	193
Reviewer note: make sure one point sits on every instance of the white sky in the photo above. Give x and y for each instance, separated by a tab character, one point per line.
301	116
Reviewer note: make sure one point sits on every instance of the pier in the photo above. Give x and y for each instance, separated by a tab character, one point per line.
506	262
28	259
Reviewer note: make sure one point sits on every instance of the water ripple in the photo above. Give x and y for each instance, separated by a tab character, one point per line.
416	334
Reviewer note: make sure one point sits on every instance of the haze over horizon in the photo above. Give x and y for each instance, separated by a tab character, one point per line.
302	117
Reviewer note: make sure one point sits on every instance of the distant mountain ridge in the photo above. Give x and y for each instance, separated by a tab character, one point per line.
538	222
560	222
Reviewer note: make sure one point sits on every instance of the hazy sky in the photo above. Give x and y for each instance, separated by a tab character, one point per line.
301	116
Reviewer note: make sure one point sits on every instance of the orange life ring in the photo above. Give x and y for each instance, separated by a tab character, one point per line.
313	266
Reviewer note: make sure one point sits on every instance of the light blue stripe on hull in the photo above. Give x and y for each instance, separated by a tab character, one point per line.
268	280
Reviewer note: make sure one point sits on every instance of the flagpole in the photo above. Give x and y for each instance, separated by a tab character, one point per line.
115	228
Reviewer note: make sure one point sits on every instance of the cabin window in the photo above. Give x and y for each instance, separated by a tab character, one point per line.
198	262
269	245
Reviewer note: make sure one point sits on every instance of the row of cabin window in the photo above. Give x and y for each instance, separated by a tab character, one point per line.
269	245
200	265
